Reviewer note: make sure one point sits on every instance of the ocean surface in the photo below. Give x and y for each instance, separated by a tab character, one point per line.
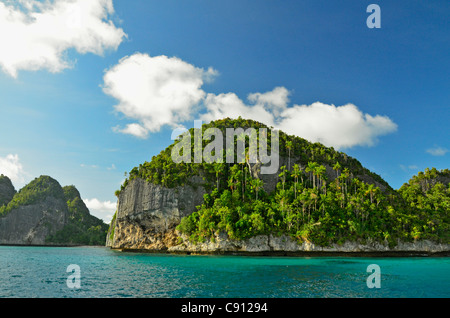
38	272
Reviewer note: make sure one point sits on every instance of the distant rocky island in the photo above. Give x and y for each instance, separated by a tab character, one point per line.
44	213
318	201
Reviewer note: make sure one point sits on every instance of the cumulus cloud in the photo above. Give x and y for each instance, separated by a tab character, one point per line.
437	151
230	105
275	100
101	209
158	91
155	91
132	129
36	35
11	167
337	126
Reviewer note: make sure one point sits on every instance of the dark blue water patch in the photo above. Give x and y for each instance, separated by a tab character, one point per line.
41	272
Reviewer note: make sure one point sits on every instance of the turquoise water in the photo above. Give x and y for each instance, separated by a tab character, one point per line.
36	272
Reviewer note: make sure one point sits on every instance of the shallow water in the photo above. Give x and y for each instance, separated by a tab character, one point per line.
35	272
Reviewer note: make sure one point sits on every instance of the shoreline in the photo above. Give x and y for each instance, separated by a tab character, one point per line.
389	254
269	245
376	254
265	253
49	245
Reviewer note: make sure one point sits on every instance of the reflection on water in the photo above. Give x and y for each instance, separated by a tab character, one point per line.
41	272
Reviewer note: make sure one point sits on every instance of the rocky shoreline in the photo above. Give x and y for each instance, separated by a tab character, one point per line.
270	245
147	216
295	254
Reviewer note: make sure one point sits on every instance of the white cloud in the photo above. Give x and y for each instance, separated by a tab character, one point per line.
101	209
437	151
36	35
275	100
340	127
155	91
11	167
230	105
132	129
158	91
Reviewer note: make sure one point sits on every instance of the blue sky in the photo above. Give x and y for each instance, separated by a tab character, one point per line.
72	107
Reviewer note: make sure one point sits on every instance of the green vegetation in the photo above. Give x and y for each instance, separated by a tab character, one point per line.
346	209
112	226
33	192
81	228
162	170
307	203
427	198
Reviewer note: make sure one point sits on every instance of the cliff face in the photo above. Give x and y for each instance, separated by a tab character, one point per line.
147	214
31	218
7	190
285	245
32	224
44	213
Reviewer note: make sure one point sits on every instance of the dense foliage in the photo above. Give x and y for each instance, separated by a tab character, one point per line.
112	227
33	192
305	204
427	198
162	170
320	212
82	228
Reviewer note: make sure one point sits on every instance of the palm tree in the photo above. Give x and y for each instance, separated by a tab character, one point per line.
233	180
337	167
323	201
218	169
256	186
320	172
231	183
289	147
282	175
296	173
281	198
312	167
344	177
314	196
304	196
371	190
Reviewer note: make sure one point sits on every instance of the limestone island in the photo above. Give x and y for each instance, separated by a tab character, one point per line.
318	201
45	214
